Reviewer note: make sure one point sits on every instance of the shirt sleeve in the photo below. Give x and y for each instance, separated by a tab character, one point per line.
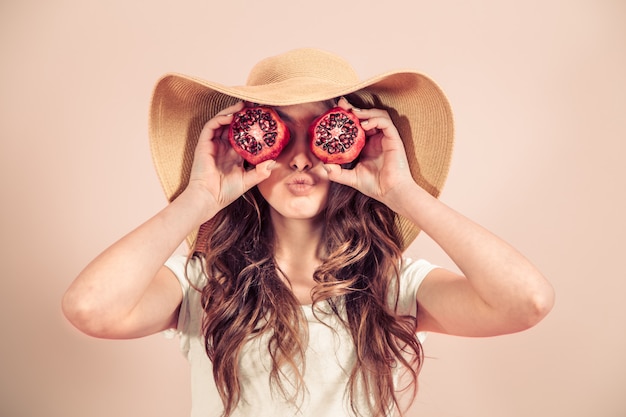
412	274
187	274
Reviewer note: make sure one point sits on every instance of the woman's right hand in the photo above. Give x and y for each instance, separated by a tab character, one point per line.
218	173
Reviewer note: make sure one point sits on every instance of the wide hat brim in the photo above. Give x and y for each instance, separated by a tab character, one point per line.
181	105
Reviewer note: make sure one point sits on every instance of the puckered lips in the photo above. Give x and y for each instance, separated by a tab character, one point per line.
301	184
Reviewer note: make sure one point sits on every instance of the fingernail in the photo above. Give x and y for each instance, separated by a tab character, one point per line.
326	168
270	165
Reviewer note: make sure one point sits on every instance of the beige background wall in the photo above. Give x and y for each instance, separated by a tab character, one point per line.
539	92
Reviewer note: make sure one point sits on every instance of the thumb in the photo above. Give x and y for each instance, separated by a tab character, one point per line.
260	172
340	175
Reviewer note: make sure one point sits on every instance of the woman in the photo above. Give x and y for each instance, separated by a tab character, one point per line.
296	299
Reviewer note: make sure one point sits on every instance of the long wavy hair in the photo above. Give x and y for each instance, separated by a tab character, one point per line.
245	297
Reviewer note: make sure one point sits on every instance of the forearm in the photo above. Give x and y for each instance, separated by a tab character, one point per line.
500	275
116	280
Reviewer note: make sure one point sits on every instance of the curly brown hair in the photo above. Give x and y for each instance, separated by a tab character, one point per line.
245	297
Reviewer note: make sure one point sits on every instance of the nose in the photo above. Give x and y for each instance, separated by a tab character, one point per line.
300	156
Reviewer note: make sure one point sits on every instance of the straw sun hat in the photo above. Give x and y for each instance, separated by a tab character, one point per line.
181	105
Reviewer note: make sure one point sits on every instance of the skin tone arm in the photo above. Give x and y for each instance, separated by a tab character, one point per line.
499	292
126	291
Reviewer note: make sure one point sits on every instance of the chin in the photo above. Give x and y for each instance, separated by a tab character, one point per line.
299	210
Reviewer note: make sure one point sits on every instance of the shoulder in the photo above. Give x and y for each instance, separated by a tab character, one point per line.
415	267
411	275
189	271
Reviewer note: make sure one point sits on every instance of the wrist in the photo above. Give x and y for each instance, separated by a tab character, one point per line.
197	203
404	197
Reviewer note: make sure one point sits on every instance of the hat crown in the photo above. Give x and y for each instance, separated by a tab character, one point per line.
302	63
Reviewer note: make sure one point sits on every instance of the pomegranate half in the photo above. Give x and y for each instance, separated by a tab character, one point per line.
337	136
258	134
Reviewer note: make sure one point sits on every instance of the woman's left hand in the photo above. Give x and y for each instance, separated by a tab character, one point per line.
383	170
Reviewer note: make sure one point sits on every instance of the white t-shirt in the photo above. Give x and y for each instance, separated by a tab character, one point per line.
329	355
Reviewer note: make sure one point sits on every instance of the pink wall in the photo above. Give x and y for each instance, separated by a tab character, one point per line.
539	93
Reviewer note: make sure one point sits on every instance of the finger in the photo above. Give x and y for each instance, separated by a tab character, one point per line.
220	120
227	111
365	115
345	104
215	128
381	124
340	175
362	113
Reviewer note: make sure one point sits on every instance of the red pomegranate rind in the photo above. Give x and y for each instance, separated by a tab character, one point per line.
337	136
258	134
